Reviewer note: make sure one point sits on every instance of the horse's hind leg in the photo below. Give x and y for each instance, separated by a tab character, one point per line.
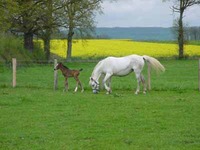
138	77
144	84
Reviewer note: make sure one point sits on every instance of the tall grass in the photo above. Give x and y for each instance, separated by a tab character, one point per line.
12	46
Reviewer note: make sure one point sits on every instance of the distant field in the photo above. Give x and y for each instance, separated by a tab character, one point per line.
102	48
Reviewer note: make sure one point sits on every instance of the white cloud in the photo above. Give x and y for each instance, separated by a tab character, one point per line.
143	13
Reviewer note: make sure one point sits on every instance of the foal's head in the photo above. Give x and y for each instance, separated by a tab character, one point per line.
58	66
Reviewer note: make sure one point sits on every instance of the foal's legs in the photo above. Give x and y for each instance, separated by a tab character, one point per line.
78	83
77	80
81	86
107	77
66	85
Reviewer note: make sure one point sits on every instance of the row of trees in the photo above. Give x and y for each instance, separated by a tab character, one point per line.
42	17
192	33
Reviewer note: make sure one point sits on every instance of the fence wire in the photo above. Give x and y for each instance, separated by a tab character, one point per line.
41	76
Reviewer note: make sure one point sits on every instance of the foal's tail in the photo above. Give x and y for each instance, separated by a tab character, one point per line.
154	63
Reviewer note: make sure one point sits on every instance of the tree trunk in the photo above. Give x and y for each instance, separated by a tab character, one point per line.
181	36
69	44
48	31
69	49
28	42
47	48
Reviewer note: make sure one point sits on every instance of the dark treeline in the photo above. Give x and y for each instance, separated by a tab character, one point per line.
192	33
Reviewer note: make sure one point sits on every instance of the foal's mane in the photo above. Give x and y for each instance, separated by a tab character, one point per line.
65	66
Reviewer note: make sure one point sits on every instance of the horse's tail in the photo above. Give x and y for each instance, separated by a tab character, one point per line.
154	63
81	69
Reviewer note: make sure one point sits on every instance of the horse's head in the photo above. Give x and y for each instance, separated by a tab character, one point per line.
58	66
94	84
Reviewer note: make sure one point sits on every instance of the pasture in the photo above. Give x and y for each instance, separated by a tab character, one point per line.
34	116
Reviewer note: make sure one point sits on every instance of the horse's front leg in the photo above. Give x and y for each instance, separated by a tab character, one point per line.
102	78
109	84
108	76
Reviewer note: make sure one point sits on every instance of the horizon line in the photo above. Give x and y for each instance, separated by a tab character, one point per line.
131	27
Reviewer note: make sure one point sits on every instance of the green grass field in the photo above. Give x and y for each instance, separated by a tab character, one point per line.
33	116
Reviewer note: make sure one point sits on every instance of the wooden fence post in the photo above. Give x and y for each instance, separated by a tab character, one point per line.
199	74
149	77
14	68
55	75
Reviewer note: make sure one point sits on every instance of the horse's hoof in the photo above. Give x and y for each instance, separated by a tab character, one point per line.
82	91
144	92
136	93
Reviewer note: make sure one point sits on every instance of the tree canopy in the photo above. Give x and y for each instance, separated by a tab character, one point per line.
42	17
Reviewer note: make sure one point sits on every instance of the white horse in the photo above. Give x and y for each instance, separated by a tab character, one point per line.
122	66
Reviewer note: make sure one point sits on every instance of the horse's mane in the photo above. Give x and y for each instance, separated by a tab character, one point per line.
65	67
96	67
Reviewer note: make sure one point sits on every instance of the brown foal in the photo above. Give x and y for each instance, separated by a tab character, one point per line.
67	73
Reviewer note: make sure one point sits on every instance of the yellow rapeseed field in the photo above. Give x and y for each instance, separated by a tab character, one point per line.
103	48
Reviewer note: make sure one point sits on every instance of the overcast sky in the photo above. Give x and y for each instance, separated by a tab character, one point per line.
143	13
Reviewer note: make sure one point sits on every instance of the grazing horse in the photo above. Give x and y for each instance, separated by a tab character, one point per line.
122	66
67	73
